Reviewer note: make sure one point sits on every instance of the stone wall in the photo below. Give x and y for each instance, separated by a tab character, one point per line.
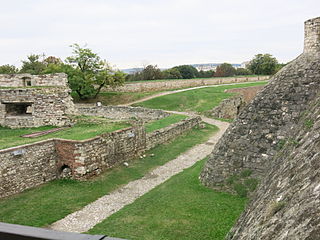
147	86
34	107
166	134
277	137
30	165
27	166
122	112
230	108
28	80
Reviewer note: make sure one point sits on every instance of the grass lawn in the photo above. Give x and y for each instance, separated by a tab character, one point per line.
114	98
50	202
180	208
164	122
198	100
86	127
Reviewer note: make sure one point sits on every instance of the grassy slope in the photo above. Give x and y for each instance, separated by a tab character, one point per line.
81	130
50	202
180	208
199	100
164	122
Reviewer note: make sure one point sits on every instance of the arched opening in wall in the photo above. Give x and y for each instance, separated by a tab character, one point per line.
26	82
65	171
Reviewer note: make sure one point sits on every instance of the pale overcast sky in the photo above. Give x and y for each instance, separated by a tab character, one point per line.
130	33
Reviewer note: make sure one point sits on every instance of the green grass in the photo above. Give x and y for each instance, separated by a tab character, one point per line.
114	98
50	202
198	100
164	122
86	127
180	208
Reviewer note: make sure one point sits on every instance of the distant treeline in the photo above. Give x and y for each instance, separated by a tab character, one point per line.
261	64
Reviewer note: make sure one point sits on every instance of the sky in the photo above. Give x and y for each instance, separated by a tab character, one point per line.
134	33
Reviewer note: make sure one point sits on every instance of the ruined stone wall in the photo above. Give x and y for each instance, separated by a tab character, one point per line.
147	86
253	139
28	80
27	166
48	106
166	134
286	205
122	112
230	108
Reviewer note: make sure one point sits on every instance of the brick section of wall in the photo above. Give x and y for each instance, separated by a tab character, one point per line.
20	80
181	83
122	112
165	134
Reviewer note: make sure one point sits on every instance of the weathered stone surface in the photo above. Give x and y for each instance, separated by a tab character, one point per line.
277	137
146	86
28	80
122	112
229	108
30	165
35	106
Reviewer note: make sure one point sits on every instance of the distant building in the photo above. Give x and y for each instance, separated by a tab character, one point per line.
211	66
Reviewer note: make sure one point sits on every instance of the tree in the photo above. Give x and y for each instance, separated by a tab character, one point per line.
187	71
172	73
243	71
206	74
89	74
33	65
263	64
8	69
151	72
225	70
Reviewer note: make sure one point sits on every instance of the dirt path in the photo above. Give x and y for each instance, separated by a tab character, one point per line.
97	211
177	91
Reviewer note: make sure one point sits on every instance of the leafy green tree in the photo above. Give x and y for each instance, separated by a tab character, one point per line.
8	69
172	73
187	71
33	65
151	72
225	70
206	74
263	64
89	74
243	71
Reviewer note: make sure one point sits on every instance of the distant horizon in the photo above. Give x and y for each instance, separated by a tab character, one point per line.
131	34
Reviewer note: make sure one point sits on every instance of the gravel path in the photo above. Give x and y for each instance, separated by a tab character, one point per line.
177	91
97	211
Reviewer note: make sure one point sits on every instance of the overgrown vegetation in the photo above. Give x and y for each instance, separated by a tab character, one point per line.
50	202
242	183
180	208
164	122
85	127
198	100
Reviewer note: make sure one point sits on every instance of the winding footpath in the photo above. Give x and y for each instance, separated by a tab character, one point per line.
95	212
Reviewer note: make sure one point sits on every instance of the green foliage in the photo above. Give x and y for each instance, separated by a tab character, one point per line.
308	123
164	122
187	71
33	65
225	70
274	207
243	71
263	64
241	184
90	74
206	74
180	208
8	69
63	197
172	73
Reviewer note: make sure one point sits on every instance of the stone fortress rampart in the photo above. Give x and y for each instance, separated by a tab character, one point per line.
276	138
